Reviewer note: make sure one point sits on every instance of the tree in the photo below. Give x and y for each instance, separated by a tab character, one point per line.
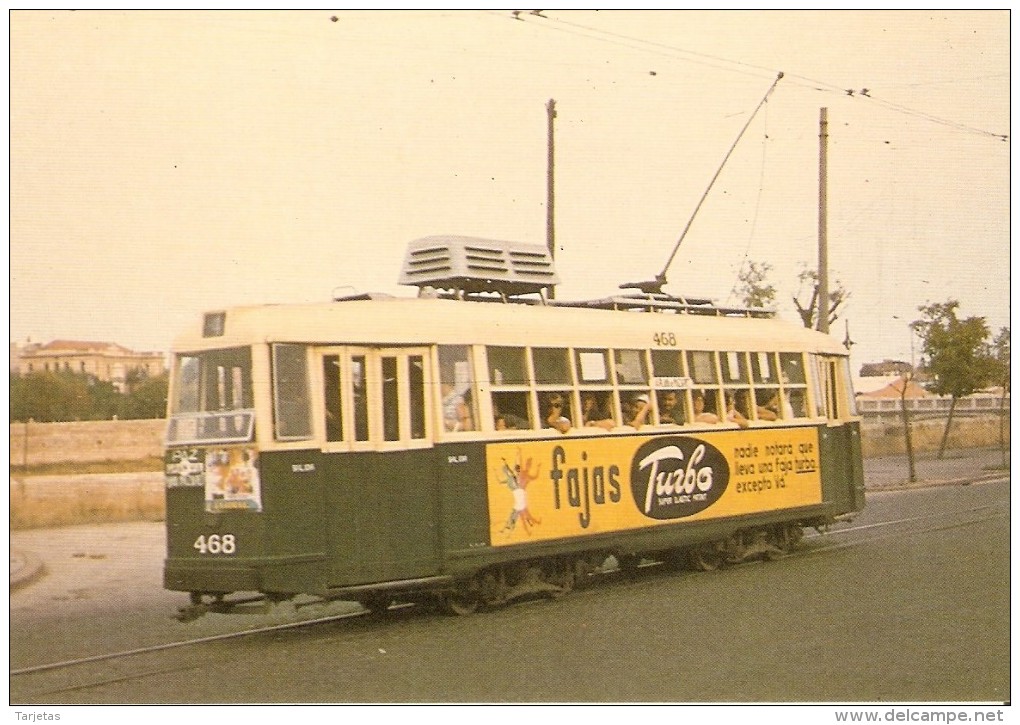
48	396
955	354
1000	375
809	311
754	290
147	398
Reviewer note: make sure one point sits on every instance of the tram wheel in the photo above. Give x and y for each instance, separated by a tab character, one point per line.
628	563
564	575
706	557
462	601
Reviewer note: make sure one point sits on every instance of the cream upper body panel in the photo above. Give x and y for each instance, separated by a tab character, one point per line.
414	321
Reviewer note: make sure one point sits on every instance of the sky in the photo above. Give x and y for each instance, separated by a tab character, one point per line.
167	163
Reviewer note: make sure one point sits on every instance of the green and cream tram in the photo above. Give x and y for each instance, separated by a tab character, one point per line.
373	447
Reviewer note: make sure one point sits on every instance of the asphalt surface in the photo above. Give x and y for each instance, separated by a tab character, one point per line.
883	473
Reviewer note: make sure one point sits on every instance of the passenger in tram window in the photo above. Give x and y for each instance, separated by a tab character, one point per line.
767	407
700	414
553	413
735	411
456	413
671	411
505	419
636	410
779	407
795	400
593	414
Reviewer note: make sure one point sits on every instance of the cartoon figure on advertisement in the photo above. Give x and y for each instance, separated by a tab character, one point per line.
232	480
517	480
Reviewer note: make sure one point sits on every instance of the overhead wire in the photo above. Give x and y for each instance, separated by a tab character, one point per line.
704	58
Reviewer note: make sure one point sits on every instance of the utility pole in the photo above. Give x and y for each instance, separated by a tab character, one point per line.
823	242
550	208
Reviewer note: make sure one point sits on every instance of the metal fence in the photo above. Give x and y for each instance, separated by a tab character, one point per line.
932	407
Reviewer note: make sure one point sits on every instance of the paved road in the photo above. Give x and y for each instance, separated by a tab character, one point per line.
921	614
908	603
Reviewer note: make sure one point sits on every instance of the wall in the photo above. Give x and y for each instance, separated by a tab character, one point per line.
135	490
138	440
86	442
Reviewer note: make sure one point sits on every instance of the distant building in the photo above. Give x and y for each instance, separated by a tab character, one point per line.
887	386
106	361
886	367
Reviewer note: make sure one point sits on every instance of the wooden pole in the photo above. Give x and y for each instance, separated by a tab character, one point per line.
550	208
823	242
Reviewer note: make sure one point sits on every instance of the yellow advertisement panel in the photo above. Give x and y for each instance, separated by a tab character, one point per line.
565	487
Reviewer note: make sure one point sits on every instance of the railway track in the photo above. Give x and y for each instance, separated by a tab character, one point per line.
812	545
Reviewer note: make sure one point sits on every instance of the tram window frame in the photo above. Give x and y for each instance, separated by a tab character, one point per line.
703	370
292	403
552	371
631	372
507	407
458	391
510	388
669	373
212	397
793	379
592	360
622	368
416	398
359	363
594	380
551	366
768	399
332	393
729	377
499	357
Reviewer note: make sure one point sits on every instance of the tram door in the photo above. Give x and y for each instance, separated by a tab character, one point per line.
383	494
830	377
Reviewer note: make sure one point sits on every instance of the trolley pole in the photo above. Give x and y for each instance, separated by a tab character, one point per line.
823	242
550	208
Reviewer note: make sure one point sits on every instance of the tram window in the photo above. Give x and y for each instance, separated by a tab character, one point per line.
666	364
390	400
734	370
848	387
769	404
359	384
671	407
592	366
556	411
631	368
552	366
331	397
635	408
797	400
507	366
510	411
456	383
416	381
706	405
214	381
597	409
702	367
290	392
763	368
792	366
738	400
188	385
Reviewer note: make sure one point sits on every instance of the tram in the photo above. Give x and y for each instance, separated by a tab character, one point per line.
479	441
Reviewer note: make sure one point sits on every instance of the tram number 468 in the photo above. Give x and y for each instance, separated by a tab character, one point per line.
664	339
216	544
